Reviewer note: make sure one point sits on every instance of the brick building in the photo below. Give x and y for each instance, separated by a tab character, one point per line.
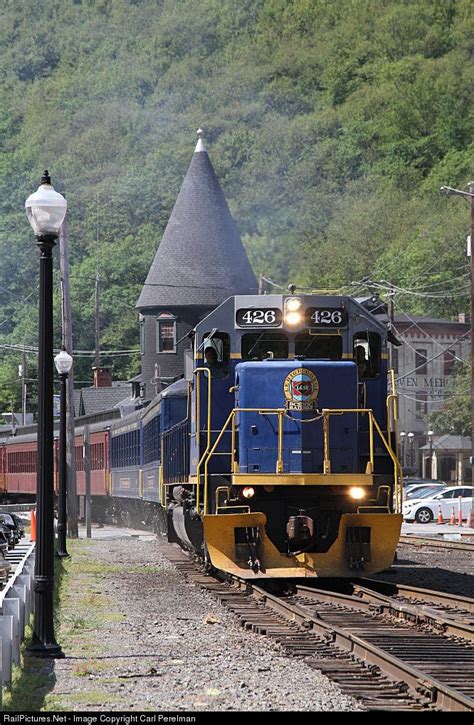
424	367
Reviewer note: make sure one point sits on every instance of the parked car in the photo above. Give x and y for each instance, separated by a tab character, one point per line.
7	520
20	524
426	509
4	540
415	481
422	490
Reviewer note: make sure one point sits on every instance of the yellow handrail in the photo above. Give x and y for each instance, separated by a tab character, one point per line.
398	474
280	412
261	411
392	411
196	372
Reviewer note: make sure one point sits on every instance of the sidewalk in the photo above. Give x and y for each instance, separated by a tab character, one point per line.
435	529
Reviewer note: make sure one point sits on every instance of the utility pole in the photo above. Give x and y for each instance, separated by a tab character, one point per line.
97	322
87	475
260	284
469	196
67	345
22	373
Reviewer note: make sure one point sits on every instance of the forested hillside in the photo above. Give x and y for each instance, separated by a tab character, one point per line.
331	126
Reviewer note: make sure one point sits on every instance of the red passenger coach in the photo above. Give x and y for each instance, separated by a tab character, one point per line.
20	467
99	458
3	456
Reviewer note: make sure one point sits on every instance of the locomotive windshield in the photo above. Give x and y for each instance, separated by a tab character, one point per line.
319	347
261	345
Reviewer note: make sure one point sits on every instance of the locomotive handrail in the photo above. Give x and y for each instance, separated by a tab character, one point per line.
231	417
392	411
196	372
372	421
280	412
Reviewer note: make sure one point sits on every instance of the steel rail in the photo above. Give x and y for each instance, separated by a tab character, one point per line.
437	543
400	673
393	589
377	602
443	695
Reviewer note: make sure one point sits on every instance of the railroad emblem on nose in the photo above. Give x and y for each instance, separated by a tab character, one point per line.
301	388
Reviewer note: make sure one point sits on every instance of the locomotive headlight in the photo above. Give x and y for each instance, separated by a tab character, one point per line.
292	304
356	492
248	492
293	318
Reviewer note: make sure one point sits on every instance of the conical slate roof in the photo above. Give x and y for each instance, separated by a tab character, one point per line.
201	259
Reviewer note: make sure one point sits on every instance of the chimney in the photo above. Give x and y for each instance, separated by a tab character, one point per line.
102	378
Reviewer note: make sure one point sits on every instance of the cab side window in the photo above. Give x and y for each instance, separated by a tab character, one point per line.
216	353
367	354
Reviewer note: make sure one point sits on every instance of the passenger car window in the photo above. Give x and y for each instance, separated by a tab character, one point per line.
446	494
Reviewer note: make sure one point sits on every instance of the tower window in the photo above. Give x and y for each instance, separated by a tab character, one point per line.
142	337
166	333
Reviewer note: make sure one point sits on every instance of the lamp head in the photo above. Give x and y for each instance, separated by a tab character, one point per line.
63	362
46	208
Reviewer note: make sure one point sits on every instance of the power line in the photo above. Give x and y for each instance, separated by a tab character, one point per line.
428	360
426	334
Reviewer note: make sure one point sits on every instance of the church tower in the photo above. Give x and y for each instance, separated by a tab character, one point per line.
200	262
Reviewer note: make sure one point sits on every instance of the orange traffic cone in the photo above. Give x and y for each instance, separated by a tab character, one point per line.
33	526
452	520
469	519
440	516
460	512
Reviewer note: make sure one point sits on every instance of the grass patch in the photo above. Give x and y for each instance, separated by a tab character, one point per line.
82	613
89	667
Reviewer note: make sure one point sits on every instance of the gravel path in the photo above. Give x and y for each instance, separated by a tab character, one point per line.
139	637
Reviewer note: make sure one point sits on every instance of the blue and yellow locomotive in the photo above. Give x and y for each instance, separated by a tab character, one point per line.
276	455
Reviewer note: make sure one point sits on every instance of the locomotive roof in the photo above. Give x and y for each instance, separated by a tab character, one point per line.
201	259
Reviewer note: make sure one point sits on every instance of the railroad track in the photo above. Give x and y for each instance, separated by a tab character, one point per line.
386	662
426	602
422	541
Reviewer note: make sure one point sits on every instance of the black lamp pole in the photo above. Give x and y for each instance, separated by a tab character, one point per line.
43	643
62	505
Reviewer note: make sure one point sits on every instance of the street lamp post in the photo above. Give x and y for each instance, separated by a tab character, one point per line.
402	436
63	362
430	439
410	444
45	210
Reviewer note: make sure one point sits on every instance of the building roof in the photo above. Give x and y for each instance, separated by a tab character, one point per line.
417	326
96	400
449	442
201	259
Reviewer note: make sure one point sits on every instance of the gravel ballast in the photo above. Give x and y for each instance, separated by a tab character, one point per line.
138	636
446	570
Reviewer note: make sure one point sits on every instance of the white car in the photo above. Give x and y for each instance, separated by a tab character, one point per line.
426	509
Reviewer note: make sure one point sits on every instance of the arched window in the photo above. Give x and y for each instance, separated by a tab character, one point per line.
166	332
